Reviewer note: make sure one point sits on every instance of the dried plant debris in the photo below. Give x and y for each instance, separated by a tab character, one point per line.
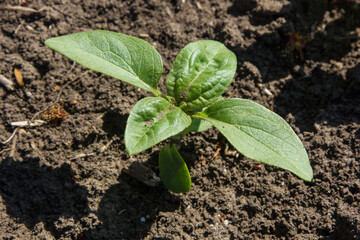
296	42
18	77
9	85
55	115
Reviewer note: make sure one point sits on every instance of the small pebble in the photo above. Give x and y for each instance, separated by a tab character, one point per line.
28	94
226	222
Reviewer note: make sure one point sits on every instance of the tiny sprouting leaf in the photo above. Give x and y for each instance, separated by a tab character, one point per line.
260	134
200	74
173	170
151	121
124	57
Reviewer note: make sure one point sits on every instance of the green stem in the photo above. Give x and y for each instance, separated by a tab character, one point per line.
157	93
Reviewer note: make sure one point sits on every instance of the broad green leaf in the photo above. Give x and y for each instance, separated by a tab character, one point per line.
200	74
173	170
260	134
151	121
127	58
198	125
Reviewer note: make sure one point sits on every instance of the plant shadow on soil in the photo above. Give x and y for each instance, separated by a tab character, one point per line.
128	208
331	44
324	97
321	93
35	193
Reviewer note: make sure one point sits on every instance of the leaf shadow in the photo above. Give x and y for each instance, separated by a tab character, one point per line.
269	52
129	208
114	123
323	96
35	193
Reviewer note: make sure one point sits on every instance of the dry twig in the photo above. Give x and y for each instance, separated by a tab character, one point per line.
13	147
82	155
11	137
18	27
103	148
27	123
22	9
6	83
5	150
217	151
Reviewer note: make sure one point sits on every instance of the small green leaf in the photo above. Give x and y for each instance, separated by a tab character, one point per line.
200	74
260	134
151	121
127	58
173	170
198	125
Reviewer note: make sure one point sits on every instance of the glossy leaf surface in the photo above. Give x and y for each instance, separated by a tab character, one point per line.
260	134
151	121
198	125
173	170
124	57
200	74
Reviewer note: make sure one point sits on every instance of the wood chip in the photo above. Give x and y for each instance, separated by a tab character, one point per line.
198	5
203	161
144	35
217	151
18	77
267	91
56	88
168	11
257	166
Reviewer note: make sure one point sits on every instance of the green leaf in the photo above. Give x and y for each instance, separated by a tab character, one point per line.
260	134
198	125
127	58
173	170
151	121
200	74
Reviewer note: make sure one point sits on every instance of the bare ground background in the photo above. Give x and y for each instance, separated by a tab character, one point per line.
49	191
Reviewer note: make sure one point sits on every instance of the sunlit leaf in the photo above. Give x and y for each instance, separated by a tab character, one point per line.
200	74
151	121
124	57
260	134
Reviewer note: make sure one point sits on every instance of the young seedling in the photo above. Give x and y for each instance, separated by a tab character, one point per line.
296	42
199	76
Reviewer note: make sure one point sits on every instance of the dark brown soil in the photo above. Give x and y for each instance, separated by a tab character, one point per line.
58	182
